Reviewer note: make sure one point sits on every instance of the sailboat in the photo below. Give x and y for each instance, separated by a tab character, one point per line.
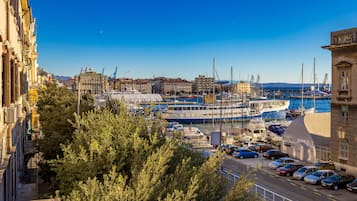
313	109
301	110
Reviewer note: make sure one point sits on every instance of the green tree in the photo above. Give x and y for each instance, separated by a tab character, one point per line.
116	156
56	106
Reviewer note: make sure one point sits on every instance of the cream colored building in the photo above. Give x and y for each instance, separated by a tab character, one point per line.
18	66
243	88
90	82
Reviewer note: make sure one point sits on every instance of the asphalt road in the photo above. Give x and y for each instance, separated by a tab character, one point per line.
286	186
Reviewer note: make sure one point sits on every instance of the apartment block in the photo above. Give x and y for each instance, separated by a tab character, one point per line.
203	84
343	46
18	67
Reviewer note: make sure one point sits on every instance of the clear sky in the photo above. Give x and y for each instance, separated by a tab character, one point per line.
179	38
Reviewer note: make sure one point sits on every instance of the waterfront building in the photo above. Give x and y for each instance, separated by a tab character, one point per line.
127	84
19	83
308	138
245	89
90	82
203	84
169	86
343	46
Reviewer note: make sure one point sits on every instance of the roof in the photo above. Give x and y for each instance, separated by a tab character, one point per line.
318	124
313	127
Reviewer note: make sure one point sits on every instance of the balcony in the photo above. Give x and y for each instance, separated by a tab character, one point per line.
344	95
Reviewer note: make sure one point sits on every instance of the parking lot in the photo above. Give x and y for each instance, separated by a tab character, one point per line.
287	185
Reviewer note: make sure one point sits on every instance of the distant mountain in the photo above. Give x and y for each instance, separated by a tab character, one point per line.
61	78
281	85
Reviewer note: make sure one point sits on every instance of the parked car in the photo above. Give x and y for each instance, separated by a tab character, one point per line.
288	169
274	154
325	165
303	172
245	153
230	149
280	162
337	181
317	176
260	147
352	186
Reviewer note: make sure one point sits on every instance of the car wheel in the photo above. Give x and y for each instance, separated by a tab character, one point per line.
288	174
255	156
272	158
241	157
335	187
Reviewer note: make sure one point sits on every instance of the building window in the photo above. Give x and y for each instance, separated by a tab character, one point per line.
343	150
344	81
344	112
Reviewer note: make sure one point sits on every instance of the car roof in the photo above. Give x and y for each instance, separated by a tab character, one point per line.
310	166
286	158
325	171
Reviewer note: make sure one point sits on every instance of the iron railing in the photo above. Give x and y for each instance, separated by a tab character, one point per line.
261	191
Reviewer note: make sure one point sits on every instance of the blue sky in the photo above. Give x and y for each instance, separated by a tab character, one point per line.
179	38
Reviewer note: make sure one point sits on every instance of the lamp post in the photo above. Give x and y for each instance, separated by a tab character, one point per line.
79	95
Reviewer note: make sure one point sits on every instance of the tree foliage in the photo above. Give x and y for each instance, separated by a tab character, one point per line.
56	106
116	156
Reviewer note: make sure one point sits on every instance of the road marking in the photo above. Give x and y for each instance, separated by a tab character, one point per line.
303	188
292	183
316	193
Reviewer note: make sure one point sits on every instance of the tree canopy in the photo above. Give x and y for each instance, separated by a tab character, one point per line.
108	154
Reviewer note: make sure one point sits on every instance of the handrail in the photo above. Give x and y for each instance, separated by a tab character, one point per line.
274	196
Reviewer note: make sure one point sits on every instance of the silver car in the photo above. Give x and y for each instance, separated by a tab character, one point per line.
303	172
317	176
280	162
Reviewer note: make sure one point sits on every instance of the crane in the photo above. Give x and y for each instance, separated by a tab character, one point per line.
325	85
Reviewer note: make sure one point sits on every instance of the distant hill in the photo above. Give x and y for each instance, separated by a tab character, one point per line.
280	85
61	78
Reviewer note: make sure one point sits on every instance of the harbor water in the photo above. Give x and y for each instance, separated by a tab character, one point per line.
322	105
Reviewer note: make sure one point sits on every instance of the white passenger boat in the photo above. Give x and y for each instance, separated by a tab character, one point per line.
226	112
271	109
207	113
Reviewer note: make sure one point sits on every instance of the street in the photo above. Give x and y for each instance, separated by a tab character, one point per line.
286	186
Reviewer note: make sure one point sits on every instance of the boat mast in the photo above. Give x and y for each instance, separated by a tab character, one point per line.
231	97
314	100
214	88
302	88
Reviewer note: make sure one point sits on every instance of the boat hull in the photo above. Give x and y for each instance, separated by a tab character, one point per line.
208	120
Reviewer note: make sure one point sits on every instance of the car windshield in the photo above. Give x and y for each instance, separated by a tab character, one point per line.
334	177
288	166
302	170
279	160
317	173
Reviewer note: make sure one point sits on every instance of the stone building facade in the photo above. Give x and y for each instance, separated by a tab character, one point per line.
127	84
343	46
90	82
171	86
18	66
